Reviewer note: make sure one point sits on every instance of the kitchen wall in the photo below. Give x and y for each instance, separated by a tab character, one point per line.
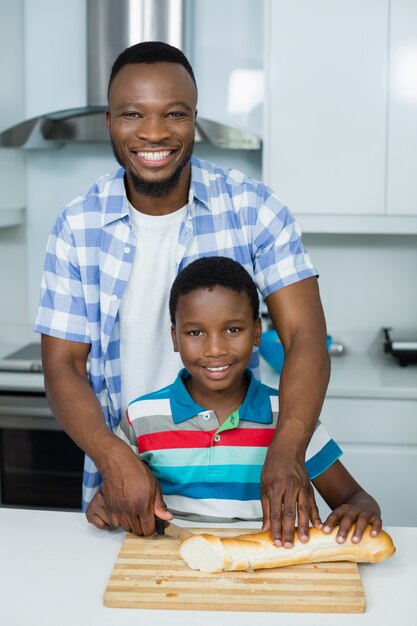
13	279
366	281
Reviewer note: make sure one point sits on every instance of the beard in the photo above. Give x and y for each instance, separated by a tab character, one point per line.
154	188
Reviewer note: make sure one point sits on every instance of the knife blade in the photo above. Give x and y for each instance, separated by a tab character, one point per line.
170	529
177	532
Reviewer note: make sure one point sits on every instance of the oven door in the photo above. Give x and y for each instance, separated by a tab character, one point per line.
40	466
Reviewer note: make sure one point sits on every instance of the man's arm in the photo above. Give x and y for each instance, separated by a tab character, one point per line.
297	315
130	491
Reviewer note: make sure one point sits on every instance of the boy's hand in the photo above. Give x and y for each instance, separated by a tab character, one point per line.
358	514
99	515
287	493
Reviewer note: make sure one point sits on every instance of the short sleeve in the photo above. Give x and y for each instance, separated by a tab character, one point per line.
126	432
321	452
280	258
62	310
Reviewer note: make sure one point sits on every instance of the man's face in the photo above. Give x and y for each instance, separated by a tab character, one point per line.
215	333
151	121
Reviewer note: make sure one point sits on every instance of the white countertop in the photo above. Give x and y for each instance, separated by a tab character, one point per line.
54	568
363	375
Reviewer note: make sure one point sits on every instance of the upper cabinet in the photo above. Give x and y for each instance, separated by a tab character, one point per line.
402	135
334	130
12	171
224	42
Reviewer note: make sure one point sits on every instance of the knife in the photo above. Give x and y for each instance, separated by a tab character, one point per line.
171	530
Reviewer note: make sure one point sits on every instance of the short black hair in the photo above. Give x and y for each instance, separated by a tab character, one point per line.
210	272
150	52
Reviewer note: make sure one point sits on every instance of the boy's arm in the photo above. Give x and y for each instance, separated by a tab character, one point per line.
351	504
130	490
297	315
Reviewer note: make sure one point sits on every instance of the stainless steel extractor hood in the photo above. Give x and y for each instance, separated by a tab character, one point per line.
112	27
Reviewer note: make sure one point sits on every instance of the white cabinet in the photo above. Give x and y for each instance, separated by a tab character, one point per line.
402	137
340	146
327	76
379	441
12	172
224	43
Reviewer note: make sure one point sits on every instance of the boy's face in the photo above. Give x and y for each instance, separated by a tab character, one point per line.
215	333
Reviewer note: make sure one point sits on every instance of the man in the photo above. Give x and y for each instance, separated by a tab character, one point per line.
111	259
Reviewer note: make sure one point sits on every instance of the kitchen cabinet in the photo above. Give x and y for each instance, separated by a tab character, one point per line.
402	131
224	42
379	442
330	112
12	164
228	65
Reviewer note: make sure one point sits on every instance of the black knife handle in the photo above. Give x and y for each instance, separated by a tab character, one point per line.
159	526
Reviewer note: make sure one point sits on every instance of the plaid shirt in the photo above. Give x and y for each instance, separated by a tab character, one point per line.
91	249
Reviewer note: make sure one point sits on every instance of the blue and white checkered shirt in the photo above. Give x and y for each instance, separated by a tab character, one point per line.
91	249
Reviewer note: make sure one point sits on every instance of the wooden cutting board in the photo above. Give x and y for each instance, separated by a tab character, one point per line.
149	574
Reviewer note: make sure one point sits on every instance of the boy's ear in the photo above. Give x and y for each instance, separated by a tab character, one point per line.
258	332
174	338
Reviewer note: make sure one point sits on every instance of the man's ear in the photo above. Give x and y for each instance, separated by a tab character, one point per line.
174	338
107	118
258	332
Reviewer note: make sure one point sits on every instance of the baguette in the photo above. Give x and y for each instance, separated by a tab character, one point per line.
210	553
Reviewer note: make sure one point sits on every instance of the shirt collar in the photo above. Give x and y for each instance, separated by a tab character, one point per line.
183	406
200	183
113	197
116	205
256	406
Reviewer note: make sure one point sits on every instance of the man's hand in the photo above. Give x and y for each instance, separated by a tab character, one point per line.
132	495
287	493
98	514
131	492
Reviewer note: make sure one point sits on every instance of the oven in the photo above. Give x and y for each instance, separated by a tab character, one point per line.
40	466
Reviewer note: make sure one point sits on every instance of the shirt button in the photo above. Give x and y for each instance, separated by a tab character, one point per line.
206	416
113	298
216	438
127	250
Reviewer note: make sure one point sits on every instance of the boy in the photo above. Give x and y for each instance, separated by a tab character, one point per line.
205	437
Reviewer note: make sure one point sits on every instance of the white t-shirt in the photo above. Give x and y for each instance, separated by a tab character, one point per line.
148	361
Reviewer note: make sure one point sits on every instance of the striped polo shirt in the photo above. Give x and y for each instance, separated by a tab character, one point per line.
210	472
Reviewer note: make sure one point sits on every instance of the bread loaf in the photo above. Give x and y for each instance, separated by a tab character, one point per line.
209	553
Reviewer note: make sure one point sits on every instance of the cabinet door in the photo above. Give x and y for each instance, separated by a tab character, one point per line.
325	124
379	442
225	45
12	111
384	472
402	138
387	473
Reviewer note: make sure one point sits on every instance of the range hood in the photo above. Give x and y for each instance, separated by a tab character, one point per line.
112	27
